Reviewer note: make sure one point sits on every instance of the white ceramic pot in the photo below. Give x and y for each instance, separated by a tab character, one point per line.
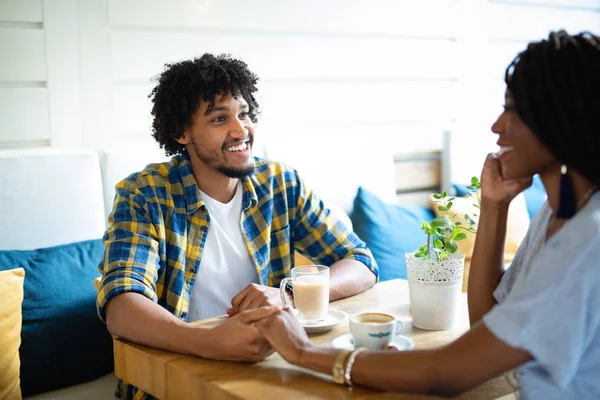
435	290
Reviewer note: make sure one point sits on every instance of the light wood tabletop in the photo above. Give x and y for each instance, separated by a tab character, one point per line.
173	376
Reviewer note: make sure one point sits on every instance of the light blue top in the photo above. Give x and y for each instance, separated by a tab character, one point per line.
549	305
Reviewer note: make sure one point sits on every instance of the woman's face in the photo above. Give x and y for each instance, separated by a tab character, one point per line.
521	154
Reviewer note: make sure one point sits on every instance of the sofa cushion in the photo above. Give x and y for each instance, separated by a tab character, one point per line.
49	197
389	230
11	299
62	340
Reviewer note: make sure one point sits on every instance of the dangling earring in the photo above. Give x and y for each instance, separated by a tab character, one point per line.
566	201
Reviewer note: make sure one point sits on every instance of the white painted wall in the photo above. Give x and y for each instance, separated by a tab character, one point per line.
76	73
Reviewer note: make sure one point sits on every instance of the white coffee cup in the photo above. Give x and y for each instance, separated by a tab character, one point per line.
310	285
375	331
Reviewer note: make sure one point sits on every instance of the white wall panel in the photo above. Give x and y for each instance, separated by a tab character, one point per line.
294	57
499	55
94	66
21	10
23	55
311	104
62	54
591	4
131	109
393	17
516	22
24	115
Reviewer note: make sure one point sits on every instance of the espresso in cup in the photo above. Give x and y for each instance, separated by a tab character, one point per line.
310	285
374	331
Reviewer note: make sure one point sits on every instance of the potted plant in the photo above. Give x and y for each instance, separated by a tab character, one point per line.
435	270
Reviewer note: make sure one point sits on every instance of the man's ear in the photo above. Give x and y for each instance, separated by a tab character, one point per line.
185	138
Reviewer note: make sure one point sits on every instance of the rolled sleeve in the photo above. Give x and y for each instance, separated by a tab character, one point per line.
321	236
130	260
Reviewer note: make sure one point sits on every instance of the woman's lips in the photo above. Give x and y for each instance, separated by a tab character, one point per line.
503	150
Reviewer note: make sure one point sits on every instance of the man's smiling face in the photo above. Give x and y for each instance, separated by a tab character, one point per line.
221	136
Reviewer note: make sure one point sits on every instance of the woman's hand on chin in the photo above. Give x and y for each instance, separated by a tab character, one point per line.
494	187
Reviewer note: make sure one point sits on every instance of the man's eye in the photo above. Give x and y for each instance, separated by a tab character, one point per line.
219	119
244	115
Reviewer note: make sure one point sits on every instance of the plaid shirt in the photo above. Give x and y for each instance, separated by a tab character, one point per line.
159	224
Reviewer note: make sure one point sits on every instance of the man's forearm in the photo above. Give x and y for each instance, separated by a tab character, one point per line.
349	277
134	317
487	263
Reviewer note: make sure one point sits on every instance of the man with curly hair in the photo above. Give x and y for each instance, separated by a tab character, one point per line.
214	230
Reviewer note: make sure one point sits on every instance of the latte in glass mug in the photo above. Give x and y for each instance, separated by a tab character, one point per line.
310	286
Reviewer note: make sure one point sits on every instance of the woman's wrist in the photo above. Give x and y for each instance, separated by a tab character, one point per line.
305	355
490	205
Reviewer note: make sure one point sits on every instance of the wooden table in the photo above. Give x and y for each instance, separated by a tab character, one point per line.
168	375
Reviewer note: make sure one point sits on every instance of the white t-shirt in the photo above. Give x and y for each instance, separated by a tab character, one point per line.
548	302
225	267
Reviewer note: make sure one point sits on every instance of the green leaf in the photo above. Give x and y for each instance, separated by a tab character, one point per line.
442	222
437	196
451	246
452	198
475	181
443	255
469	219
444	194
476	206
448	206
458	223
440	208
460	236
438	244
426	227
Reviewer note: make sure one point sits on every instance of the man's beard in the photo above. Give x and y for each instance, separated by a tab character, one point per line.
212	159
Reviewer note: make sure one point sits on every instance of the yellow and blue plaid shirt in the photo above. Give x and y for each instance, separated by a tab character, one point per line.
159	225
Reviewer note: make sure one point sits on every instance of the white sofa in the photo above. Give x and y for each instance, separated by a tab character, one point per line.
50	197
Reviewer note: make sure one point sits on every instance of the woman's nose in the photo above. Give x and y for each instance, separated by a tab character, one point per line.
497	126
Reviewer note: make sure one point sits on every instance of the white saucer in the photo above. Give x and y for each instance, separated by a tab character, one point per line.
334	317
346	341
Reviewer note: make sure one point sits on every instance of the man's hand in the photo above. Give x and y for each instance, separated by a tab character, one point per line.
254	296
237	339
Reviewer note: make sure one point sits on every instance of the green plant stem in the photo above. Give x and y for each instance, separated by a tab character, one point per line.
428	244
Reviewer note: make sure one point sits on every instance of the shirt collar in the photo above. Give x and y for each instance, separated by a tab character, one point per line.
190	188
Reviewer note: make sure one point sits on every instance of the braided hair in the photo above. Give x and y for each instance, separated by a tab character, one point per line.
181	87
555	86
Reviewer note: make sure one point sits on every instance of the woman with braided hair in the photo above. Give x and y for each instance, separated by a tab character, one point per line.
542	316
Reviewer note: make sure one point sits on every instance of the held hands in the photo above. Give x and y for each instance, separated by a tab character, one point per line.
493	185
254	296
285	334
237	339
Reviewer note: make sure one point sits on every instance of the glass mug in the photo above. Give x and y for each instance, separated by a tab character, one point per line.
310	285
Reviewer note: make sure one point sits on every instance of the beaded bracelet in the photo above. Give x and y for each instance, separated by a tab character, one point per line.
338	367
350	364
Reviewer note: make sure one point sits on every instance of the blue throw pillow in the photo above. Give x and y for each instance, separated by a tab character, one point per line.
535	195
389	230
63	342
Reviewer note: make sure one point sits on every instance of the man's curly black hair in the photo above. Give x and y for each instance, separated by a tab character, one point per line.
181	87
